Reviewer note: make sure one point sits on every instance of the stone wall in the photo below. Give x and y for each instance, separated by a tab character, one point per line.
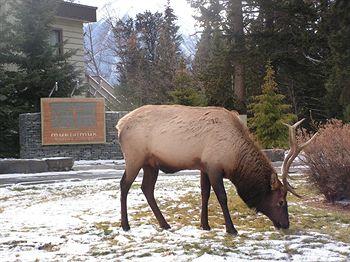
31	147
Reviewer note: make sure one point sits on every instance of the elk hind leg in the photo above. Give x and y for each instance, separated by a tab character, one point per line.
205	192
125	183
148	183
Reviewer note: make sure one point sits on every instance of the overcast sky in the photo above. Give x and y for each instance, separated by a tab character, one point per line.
182	9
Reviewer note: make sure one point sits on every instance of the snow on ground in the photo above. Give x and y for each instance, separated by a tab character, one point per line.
99	162
79	221
72	172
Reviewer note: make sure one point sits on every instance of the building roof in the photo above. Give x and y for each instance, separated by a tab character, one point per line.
74	11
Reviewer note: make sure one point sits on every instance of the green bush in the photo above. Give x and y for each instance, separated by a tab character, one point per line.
269	113
187	96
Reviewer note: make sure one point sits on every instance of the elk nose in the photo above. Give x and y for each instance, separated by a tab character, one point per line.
279	225
286	226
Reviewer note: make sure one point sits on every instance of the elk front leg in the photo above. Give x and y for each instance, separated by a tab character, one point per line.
216	180
205	192
149	180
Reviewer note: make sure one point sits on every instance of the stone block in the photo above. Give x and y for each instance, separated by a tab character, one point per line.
274	154
11	166
59	163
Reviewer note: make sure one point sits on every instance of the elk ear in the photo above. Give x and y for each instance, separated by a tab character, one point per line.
275	183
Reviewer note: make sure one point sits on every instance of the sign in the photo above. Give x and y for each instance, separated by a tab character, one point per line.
72	121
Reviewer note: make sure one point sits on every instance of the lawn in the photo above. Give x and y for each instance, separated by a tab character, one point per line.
80	221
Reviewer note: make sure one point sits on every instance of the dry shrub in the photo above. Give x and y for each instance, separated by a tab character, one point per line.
328	158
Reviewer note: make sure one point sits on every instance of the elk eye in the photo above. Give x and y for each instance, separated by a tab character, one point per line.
281	203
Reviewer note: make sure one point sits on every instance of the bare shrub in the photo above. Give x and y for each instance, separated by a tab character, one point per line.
328	158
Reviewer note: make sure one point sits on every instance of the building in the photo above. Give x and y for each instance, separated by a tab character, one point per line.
68	28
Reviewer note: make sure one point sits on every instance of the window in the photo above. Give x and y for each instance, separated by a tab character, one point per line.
56	40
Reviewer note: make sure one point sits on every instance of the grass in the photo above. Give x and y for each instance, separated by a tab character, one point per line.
24	188
100	253
105	227
48	247
304	216
313	225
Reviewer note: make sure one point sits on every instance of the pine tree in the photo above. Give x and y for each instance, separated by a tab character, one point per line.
213	69
185	93
168	55
307	41
11	106
338	74
148	50
136	42
130	65
34	66
238	50
36	58
269	114
171	29
213	65
287	33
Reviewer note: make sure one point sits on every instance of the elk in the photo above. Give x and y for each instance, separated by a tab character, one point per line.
213	140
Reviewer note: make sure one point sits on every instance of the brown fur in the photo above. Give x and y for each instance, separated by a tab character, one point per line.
246	167
210	139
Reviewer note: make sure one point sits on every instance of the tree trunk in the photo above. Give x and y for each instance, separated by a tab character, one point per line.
238	41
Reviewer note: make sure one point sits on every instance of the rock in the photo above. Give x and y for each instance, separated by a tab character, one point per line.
11	166
274	154
59	164
344	202
25	166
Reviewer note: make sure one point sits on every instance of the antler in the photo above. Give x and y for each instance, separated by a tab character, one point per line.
294	151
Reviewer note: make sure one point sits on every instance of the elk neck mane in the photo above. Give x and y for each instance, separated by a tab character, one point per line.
253	174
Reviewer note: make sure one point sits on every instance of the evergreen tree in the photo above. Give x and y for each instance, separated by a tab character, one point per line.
286	32
215	71
29	66
159	35
338	75
213	65
168	55
136	43
36	58
269	114
185	93
130	65
148	51
235	21
171	30
8	112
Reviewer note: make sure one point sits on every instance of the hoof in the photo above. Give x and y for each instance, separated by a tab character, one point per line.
233	232
166	226
206	227
126	227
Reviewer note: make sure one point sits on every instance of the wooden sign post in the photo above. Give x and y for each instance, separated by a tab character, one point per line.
73	121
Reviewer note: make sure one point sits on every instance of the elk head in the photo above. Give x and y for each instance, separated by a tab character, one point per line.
274	205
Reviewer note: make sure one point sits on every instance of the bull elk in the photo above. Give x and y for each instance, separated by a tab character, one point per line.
213	140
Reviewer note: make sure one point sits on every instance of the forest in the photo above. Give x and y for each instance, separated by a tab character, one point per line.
304	42
294	53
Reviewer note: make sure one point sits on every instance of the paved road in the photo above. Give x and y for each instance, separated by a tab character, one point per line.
73	176
82	172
